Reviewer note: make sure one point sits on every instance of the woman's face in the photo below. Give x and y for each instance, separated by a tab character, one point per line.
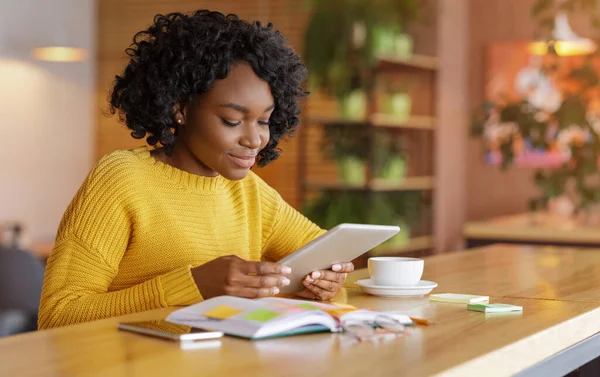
228	125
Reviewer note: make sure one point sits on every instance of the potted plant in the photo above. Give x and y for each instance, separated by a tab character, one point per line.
389	161
343	39
404	209
346	145
562	142
391	41
396	106
553	124
331	208
353	106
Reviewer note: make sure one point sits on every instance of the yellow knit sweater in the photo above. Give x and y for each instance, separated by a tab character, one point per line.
136	227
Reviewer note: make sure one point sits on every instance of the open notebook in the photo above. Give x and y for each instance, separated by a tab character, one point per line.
270	317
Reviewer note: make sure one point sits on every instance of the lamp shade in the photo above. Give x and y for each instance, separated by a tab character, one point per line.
564	40
60	54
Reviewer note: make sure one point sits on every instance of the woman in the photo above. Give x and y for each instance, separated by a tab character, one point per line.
187	220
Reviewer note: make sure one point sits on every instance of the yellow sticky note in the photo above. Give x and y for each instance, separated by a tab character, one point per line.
337	313
222	312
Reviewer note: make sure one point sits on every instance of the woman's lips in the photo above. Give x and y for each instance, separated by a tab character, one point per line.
243	161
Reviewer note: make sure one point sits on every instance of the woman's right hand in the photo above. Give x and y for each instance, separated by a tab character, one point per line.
233	276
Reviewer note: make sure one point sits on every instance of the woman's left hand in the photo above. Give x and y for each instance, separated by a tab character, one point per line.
325	284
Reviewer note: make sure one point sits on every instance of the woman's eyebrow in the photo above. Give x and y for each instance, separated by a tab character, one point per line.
243	109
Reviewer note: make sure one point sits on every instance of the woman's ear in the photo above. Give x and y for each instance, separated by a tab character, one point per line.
179	113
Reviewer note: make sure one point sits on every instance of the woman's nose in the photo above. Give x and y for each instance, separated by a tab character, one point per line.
251	137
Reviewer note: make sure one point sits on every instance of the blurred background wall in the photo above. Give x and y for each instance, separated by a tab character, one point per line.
487	187
46	110
492	192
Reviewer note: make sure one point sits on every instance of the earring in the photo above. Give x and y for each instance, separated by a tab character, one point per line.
179	121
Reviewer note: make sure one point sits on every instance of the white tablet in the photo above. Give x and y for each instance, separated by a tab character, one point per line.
343	243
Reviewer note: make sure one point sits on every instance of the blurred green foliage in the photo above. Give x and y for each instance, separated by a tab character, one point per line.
339	43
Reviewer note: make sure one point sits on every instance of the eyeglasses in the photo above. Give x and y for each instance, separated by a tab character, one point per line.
382	325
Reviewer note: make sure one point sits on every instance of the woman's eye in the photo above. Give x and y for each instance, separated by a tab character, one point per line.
230	124
263	122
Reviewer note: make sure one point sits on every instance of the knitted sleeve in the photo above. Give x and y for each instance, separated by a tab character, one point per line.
285	229
91	240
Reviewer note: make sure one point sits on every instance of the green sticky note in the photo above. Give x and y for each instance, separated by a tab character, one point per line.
494	308
307	306
261	315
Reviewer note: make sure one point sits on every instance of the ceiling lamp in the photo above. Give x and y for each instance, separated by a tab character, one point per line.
564	40
60	54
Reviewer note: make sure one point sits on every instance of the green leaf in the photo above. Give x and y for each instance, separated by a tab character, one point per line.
511	112
572	111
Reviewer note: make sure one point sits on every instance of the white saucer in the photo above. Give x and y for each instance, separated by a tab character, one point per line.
423	287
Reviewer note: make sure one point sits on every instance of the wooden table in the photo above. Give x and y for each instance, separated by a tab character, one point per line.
556	287
540	272
535	229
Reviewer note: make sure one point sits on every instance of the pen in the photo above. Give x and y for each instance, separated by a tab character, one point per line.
421	321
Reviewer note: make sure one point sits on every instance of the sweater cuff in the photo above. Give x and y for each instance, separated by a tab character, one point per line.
179	287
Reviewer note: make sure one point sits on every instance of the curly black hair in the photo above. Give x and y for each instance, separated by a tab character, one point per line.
179	57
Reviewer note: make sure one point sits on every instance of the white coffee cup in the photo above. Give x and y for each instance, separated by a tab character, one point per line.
395	271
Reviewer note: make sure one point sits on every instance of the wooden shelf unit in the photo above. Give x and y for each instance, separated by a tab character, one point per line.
416	61
379	185
420	129
416	122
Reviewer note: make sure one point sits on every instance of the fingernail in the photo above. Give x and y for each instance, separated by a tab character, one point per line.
286	270
336	267
316	275
275	290
308	279
285	281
